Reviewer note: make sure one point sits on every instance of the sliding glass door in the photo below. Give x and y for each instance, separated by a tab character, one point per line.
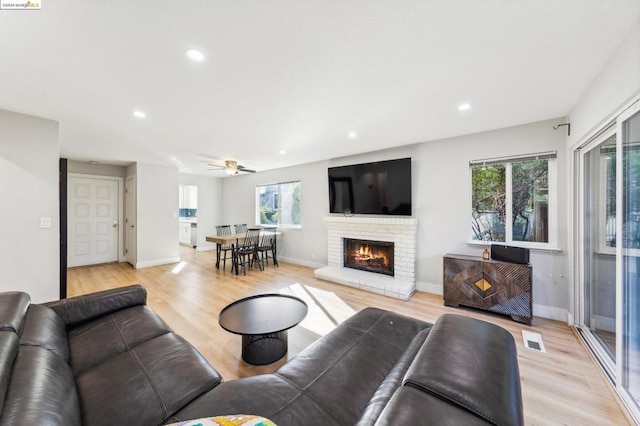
608	254
629	129
598	231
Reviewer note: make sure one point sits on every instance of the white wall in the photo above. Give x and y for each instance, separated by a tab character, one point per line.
617	84
29	255
612	90
441	203
209	206
157	214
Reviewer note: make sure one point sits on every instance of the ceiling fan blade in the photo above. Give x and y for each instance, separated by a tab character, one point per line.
244	169
231	165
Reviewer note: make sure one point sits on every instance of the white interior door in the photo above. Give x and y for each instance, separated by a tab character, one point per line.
92	226
130	220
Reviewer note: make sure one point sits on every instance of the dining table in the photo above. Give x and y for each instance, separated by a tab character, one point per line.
234	239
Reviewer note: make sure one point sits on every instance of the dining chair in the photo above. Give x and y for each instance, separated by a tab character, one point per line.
267	246
241	228
225	248
247	250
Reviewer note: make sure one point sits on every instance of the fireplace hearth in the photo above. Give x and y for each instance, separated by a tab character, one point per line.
368	255
401	231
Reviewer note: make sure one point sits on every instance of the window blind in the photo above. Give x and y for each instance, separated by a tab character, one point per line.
513	159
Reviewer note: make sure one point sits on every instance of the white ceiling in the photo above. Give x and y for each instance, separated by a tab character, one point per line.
296	75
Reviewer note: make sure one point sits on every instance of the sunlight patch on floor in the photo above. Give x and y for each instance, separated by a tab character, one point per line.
326	309
179	267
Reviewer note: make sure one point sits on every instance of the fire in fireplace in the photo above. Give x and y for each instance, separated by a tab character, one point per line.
371	256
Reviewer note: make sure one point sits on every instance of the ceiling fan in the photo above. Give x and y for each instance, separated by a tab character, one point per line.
232	167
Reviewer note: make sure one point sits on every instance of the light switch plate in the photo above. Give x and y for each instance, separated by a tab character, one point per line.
45	222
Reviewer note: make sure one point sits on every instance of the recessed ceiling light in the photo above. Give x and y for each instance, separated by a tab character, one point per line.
139	114
94	162
282	151
463	107
195	55
352	135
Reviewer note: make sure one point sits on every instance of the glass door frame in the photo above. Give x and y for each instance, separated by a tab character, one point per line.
594	343
614	368
627	398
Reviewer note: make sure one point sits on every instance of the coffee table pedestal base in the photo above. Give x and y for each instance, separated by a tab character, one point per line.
264	348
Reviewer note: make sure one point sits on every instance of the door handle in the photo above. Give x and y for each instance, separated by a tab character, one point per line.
132	226
114	224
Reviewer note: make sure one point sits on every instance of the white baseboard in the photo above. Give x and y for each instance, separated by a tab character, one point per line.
570	321
157	262
550	312
294	261
429	288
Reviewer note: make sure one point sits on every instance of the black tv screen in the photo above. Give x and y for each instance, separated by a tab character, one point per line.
383	188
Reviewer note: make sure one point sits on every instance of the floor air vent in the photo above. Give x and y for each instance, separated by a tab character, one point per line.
533	341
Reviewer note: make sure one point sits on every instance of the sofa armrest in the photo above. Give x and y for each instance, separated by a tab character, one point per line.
472	365
78	310
13	308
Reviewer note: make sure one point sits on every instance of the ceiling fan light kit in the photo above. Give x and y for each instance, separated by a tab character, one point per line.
232	167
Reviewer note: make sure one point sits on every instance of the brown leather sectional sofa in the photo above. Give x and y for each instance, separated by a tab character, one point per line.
107	358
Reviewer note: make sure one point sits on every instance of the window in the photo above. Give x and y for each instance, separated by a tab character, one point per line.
520	189
278	204
604	187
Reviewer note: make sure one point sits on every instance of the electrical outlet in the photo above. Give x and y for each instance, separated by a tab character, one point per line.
45	222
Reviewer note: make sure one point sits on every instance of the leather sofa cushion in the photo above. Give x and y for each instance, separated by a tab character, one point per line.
350	363
81	309
267	395
411	406
145	384
8	352
392	381
330	382
43	327
13	306
104	338
42	390
470	364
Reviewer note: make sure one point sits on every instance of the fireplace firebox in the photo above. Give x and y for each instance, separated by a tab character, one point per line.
367	255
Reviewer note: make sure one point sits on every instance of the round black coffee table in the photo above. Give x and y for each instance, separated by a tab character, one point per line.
263	321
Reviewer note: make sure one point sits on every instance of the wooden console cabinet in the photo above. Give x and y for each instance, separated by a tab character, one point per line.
500	287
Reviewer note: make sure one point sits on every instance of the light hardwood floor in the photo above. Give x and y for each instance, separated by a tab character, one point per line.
562	387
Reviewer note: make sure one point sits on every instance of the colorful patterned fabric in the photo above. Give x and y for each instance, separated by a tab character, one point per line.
230	420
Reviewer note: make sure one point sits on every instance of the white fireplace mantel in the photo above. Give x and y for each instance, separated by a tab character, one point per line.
401	231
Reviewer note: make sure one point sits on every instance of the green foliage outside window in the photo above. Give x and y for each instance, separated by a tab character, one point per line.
279	204
528	201
488	202
268	216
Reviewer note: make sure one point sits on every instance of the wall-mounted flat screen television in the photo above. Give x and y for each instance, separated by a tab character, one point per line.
382	187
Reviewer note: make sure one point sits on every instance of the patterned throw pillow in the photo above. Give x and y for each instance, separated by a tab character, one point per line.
230	420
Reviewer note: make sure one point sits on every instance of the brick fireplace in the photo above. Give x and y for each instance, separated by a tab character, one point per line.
398	232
